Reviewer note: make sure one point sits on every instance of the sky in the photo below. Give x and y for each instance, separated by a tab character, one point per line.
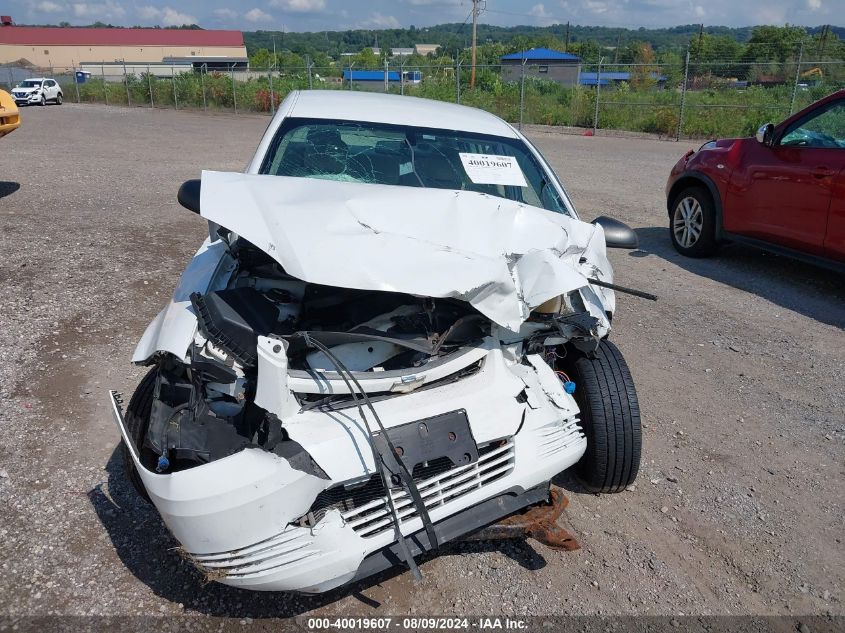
318	15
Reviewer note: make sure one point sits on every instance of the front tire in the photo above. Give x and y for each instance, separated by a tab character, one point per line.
692	223
137	422
610	418
43	101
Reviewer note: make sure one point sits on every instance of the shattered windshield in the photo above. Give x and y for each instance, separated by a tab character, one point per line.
376	153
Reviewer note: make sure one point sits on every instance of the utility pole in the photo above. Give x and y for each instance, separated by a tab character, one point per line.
618	42
475	11
566	47
823	40
700	38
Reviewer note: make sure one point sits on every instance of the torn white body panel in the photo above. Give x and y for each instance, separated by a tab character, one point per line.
236	517
489	395
502	257
174	327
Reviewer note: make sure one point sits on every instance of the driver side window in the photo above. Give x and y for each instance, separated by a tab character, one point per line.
824	129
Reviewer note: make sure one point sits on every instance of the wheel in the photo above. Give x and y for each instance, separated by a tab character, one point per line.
692	225
43	101
137	420
610	418
59	99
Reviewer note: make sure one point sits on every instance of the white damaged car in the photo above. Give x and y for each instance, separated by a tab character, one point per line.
395	335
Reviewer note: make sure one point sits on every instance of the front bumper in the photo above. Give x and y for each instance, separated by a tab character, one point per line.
27	99
240	518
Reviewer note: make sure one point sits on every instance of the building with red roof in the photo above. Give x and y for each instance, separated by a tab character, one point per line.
69	47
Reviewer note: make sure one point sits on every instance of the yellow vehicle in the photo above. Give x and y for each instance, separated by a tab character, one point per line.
10	119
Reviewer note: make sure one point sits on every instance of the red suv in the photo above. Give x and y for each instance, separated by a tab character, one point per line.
783	190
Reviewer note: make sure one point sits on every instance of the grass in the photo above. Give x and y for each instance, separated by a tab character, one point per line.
708	113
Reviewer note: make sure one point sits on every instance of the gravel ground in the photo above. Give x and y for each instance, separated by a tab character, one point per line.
738	508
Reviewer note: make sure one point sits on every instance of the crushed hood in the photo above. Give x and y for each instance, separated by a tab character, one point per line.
503	257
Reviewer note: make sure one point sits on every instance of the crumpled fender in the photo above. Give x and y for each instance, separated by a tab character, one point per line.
174	327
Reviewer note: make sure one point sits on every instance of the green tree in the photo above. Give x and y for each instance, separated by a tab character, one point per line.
779	43
262	58
643	73
366	59
321	60
287	59
588	50
717	55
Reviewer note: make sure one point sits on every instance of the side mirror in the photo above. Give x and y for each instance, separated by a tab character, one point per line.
617	234
189	195
765	134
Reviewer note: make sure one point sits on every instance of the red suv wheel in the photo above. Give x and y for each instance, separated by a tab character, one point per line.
692	223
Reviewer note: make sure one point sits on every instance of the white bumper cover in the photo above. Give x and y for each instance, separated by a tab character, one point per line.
237	517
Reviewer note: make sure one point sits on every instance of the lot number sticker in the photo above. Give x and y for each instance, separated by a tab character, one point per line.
487	169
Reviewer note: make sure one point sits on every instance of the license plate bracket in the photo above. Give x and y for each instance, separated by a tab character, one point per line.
446	435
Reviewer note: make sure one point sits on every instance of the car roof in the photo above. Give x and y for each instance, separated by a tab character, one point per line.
372	107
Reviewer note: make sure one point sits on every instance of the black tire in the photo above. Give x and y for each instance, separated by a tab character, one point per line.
59	99
693	210
137	420
43	101
610	417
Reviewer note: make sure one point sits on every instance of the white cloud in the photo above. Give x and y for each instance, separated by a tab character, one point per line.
380	21
299	6
225	14
172	17
539	11
699	11
166	16
257	15
149	13
543	17
814	5
594	6
108	10
49	7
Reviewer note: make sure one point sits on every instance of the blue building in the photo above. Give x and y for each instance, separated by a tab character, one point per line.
543	63
615	78
373	80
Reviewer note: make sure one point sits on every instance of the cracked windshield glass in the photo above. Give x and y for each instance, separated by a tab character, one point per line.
411	157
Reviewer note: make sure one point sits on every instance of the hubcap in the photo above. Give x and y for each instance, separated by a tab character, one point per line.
687	221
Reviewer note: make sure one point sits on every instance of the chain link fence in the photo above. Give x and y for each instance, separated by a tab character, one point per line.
687	99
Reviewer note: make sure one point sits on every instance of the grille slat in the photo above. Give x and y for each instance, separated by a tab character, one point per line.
276	552
271	564
366	511
255	560
270	543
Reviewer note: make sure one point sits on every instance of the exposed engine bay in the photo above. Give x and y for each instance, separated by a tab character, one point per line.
206	409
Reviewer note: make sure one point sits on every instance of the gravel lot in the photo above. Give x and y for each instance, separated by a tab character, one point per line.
739	507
